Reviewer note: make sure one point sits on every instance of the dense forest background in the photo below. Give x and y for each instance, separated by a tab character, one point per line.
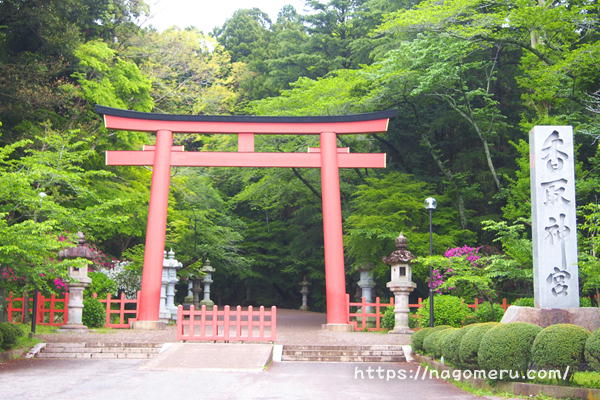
469	78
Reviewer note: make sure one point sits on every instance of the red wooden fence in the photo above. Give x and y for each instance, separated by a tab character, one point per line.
55	311
125	316
50	310
364	311
227	325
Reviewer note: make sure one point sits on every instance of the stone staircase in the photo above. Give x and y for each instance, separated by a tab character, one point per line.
100	350
322	353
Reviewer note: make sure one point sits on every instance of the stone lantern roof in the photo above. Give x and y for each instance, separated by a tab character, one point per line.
401	255
79	251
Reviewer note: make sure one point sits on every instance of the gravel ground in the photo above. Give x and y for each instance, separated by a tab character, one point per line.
293	327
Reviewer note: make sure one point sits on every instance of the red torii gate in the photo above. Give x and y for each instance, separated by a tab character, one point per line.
164	155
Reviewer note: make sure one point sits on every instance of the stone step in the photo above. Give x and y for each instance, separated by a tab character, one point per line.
97	350
55	349
374	359
338	347
357	353
107	344
330	353
95	355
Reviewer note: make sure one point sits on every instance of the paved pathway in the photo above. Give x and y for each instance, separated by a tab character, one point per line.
132	379
125	379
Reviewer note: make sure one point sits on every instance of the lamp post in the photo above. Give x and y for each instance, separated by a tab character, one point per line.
35	289
430	205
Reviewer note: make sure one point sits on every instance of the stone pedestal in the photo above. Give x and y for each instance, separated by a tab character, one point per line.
401	292
75	305
587	317
149	325
338	327
304	292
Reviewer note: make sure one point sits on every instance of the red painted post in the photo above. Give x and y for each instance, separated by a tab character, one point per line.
250	319
149	301
261	321
226	322
504	304
238	321
335	275
273	323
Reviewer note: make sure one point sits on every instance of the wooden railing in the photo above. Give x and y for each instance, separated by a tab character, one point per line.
125	316
247	325
367	316
50	310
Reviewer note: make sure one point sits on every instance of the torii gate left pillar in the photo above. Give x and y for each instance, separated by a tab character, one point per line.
164	155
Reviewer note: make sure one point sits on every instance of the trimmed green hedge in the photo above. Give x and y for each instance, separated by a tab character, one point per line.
9	334
447	310
469	344
592	350
419	336
560	346
451	346
507	346
432	344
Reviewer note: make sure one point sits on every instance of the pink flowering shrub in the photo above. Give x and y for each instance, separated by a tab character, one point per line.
470	253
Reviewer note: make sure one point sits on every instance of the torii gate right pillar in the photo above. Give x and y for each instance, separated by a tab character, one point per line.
335	278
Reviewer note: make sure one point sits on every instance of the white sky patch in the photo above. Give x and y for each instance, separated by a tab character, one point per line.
205	14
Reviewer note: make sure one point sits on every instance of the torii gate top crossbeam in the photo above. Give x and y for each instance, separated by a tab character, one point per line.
115	118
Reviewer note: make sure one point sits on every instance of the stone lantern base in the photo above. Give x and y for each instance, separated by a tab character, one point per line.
207	303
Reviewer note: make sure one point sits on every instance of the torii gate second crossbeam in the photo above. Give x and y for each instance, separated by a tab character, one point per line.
163	155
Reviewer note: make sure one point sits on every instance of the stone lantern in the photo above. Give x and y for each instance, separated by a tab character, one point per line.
168	310
366	284
208	271
304	292
80	278
401	283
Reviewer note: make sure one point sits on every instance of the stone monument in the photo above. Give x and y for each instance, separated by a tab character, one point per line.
304	292
168	310
554	233
401	283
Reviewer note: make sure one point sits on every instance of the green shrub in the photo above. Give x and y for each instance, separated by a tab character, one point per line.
432	343
389	318
101	285
585	302
1	340
451	346
507	346
469	344
489	312
560	346
419	336
94	313
589	379
9	335
413	320
524	302
592	350
447	310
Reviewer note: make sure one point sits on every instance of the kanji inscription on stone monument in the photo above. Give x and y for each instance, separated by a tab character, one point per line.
554	233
